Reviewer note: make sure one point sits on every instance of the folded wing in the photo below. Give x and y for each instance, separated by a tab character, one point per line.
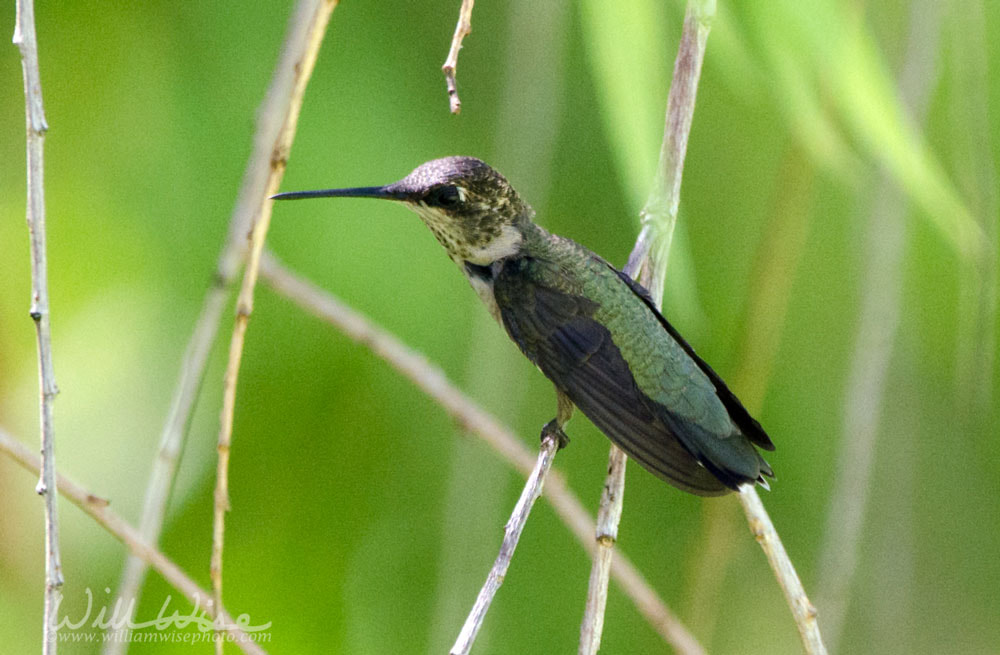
557	330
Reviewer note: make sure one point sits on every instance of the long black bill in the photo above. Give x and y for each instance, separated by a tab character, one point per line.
386	192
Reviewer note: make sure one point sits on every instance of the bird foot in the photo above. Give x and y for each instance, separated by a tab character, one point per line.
552	429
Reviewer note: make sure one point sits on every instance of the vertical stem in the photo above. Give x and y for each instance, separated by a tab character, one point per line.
648	264
25	39
163	474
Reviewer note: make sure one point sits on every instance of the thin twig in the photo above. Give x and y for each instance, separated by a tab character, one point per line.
25	40
881	308
271	122
462	29
648	264
512	533
429	379
316	27
765	534
97	509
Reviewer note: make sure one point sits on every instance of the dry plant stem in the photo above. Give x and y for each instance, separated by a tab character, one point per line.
313	36
271	121
25	40
648	264
97	509
765	534
462	29
512	533
608	517
475	420
648	260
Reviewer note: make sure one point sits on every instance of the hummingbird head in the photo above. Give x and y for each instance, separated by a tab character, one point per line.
471	208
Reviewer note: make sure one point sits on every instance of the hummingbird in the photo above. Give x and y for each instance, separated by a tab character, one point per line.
595	333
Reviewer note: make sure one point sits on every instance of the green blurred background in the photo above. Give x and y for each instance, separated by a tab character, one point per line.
838	219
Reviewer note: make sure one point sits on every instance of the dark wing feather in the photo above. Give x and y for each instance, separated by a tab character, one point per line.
557	332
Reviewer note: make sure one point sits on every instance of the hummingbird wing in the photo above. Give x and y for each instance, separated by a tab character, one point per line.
547	312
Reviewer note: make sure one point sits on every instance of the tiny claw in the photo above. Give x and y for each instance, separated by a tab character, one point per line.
552	429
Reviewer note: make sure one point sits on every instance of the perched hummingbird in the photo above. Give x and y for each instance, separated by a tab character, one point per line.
593	331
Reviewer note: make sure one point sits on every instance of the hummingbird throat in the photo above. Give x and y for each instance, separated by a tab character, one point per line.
471	238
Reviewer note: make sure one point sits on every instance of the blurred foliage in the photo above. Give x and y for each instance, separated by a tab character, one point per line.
363	521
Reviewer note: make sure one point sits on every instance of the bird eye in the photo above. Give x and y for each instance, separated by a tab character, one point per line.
446	196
